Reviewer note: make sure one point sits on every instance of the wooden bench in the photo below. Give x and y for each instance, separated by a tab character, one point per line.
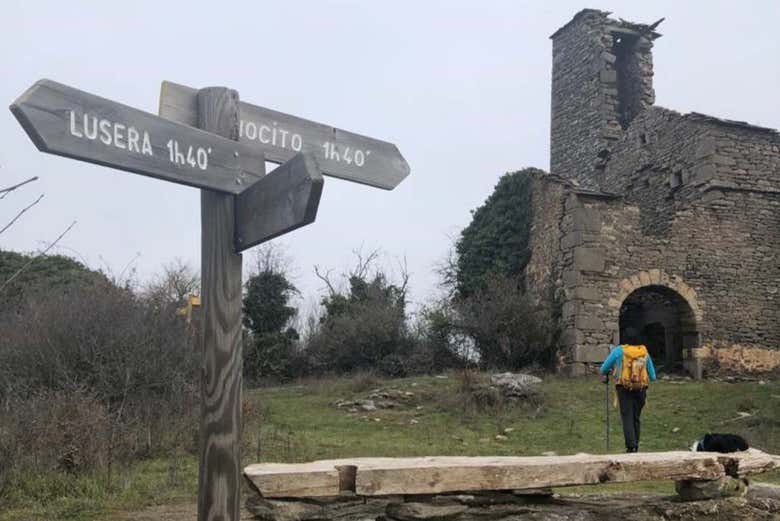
438	475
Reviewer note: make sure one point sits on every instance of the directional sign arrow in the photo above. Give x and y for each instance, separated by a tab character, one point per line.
69	122
280	136
282	201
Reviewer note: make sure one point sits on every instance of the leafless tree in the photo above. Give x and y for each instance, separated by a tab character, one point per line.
177	281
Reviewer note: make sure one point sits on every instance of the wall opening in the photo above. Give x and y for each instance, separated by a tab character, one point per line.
628	76
665	322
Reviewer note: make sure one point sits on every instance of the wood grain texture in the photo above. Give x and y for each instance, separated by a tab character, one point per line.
220	427
53	114
384	166
435	475
282	201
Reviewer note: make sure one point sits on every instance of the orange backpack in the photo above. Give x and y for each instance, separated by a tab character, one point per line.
633	374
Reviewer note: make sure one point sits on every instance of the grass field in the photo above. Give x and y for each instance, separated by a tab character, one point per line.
301	422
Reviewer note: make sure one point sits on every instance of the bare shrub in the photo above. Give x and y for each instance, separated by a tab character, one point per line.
363	381
365	326
93	374
509	331
56	430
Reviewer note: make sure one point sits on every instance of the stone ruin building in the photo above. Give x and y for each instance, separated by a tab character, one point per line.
650	219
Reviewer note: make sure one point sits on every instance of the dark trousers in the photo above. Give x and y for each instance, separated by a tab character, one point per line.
631	403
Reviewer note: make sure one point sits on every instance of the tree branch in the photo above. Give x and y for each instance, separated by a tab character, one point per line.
24	267
326	279
404	269
364	264
20	213
6	191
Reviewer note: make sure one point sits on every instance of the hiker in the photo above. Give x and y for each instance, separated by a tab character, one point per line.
634	371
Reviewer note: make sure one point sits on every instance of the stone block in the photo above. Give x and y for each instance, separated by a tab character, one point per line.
695	490
711	195
570	308
586	219
608	76
571	336
590	353
419	511
571	278
703	172
589	259
764	491
588	322
704	148
570	240
655	275
613	303
694	367
723	160
587	293
644	278
572	201
608	57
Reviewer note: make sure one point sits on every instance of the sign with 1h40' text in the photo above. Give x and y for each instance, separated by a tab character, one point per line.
69	122
280	136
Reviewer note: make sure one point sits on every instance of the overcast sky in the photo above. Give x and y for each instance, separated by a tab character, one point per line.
463	89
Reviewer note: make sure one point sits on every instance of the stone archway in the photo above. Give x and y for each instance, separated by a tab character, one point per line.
664	321
664	310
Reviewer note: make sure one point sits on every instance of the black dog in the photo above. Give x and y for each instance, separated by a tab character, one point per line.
714	442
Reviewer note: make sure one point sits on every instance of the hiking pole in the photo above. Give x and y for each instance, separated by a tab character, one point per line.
606	402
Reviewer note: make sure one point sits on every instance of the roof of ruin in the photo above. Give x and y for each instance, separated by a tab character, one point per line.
576	188
696	116
645	30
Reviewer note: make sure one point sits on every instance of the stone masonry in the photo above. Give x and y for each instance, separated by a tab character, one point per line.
652	220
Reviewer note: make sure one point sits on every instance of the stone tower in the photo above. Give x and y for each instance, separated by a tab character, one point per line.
650	220
602	77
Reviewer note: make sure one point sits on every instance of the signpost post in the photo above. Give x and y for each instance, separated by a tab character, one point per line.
209	140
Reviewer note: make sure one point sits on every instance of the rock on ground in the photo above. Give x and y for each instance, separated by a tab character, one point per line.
516	385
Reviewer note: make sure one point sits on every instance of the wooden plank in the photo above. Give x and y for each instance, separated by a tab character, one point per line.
280	136
317	479
435	475
751	461
282	201
69	122
220	426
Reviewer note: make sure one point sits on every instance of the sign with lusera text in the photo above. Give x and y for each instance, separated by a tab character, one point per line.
69	122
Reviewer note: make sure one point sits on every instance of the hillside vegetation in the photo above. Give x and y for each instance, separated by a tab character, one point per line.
446	415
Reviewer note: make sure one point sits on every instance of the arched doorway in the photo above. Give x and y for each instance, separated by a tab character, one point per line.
663	319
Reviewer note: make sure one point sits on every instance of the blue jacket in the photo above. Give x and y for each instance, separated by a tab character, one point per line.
615	358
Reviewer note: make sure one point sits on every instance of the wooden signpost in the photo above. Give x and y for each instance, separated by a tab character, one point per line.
203	139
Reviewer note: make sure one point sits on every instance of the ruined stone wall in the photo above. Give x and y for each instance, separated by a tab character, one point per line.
543	275
719	255
653	163
666	161
698	210
738	156
601	79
